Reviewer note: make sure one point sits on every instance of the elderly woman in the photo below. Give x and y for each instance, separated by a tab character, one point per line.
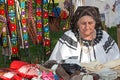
86	41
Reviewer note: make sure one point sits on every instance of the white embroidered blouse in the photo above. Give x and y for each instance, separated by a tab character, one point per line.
103	50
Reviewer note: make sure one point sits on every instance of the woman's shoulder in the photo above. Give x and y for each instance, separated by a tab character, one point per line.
106	36
105	33
69	39
69	32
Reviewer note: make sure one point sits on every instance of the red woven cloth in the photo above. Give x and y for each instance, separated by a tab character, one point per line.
24	69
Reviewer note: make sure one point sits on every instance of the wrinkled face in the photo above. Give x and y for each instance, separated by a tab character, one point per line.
86	25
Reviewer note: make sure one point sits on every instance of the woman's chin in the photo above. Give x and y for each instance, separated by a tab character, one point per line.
87	35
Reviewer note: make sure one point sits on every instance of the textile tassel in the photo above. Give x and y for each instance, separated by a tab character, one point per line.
31	23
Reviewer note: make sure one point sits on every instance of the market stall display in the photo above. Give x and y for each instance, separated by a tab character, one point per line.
17	25
64	71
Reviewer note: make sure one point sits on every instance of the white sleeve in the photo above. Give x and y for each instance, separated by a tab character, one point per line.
113	53
56	51
64	48
60	52
112	48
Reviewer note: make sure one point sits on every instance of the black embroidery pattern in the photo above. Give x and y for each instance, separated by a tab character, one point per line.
108	44
68	41
73	57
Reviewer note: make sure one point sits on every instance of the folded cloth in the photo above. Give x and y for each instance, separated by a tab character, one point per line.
117	69
96	66
92	66
9	74
62	73
71	68
76	77
87	77
49	63
112	64
107	74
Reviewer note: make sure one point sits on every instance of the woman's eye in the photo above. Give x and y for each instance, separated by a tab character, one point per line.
83	23
92	22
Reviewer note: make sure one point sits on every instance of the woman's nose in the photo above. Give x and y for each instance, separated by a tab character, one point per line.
87	26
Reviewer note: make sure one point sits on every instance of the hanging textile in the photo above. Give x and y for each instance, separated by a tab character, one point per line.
31	23
3	25
39	20
68	5
3	29
46	29
77	3
12	26
23	25
109	8
117	11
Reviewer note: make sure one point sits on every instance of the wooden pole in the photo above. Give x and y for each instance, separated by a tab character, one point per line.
118	37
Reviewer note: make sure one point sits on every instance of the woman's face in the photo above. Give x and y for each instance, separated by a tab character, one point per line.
86	26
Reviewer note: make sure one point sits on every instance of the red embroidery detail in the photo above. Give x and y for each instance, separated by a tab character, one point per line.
38	2
39	37
46	42
2	12
39	25
10	2
13	27
39	13
45	15
14	50
23	21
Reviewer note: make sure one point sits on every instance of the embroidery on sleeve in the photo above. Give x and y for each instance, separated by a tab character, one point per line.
108	44
68	41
